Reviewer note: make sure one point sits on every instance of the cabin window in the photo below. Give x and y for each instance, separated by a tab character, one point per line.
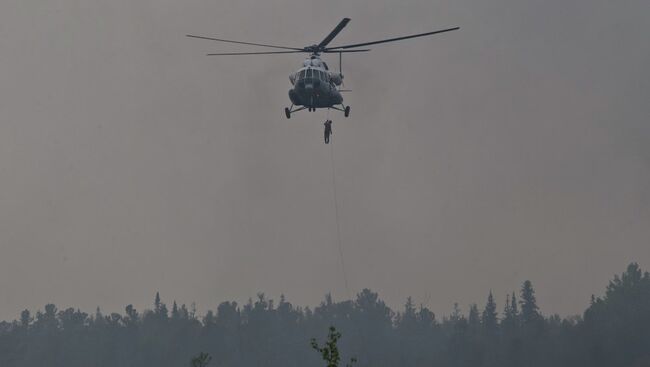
309	74
302	74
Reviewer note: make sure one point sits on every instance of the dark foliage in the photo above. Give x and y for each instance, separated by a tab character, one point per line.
330	351
202	360
614	331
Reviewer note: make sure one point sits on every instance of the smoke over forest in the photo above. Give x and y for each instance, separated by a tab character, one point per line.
613	331
167	187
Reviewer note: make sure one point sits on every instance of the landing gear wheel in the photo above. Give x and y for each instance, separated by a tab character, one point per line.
347	111
287	112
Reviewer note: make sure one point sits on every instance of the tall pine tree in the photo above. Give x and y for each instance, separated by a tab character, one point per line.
489	316
530	315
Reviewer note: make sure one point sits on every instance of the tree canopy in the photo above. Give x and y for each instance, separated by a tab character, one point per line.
613	331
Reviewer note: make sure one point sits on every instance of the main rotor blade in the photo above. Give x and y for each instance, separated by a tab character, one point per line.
334	33
256	53
281	52
345	51
391	39
244	43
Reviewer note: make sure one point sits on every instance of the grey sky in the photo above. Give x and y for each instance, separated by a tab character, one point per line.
515	148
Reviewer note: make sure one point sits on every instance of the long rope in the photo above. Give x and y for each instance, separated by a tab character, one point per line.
338	226
364	343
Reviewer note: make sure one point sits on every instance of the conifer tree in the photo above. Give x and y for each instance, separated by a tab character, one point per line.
489	317
510	313
473	319
25	319
529	309
156	303
175	313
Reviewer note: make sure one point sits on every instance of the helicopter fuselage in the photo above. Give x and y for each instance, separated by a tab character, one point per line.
314	86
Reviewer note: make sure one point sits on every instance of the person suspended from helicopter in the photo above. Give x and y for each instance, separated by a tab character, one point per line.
328	131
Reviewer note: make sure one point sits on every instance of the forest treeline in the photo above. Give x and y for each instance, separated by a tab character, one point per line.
614	331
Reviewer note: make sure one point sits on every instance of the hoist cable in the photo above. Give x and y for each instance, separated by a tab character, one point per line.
336	215
364	340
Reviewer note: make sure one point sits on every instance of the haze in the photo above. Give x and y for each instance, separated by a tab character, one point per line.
515	148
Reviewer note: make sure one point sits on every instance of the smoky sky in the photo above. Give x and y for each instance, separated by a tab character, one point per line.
515	148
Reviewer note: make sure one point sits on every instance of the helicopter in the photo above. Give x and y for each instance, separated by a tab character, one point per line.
314	85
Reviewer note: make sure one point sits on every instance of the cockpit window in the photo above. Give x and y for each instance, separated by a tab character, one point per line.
313	74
